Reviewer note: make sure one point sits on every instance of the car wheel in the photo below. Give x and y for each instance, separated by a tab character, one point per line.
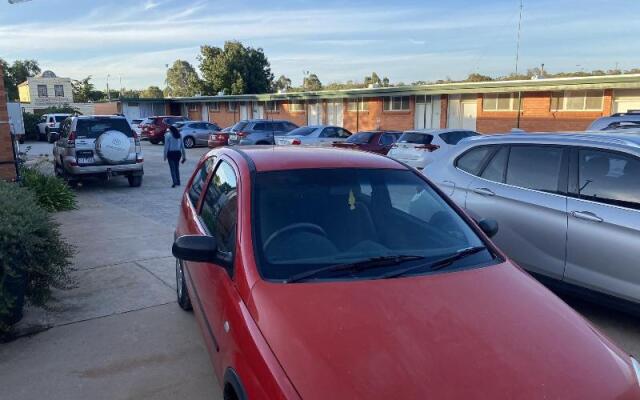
263	143
135	180
189	142
181	288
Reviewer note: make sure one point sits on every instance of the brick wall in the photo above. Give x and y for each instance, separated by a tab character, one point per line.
398	120
536	115
223	117
363	120
7	170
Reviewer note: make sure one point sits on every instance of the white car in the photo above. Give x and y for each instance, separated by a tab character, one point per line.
49	125
418	148
314	135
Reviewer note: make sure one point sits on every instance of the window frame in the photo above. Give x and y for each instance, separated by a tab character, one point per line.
193	107
55	90
215	106
45	91
211	164
388	101
232	106
293	106
573	190
272	106
228	265
512	102
563	180
357	105
560	98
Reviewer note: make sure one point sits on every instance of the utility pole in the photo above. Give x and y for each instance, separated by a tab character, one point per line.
518	39
108	92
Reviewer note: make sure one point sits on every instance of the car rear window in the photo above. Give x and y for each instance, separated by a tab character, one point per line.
453	138
360	137
304	131
239	126
415	138
60	118
262	126
92	128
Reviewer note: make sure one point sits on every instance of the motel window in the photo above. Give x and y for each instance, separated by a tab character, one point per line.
231	106
59	90
214	106
296	105
194	107
577	100
498	102
42	91
399	103
358	105
271	106
424	99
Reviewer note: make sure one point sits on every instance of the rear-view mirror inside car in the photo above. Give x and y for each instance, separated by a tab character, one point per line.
489	227
195	248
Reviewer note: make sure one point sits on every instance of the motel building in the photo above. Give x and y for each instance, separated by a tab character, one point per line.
537	105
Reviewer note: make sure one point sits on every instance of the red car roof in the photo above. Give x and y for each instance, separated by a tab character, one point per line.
275	158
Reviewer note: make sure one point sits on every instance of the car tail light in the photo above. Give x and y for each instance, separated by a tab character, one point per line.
242	134
296	141
428	147
220	137
71	140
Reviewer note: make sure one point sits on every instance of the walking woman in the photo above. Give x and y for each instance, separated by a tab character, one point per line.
173	152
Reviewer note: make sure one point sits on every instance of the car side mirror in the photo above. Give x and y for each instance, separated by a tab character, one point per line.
195	248
489	227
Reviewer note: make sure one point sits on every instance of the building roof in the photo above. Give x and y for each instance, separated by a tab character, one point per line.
624	81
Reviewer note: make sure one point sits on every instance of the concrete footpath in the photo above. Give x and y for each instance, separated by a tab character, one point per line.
118	333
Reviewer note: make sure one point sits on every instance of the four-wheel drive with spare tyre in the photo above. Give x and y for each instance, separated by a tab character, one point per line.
98	146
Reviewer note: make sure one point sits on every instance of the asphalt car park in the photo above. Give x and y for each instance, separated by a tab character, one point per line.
120	333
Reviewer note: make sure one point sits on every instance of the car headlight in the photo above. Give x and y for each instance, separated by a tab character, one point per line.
636	367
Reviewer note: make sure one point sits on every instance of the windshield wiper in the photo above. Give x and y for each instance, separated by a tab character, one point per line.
438	264
369	263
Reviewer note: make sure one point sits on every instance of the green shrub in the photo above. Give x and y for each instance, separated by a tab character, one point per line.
52	193
30	125
30	243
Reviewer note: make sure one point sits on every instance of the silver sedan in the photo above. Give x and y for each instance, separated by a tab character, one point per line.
196	133
314	135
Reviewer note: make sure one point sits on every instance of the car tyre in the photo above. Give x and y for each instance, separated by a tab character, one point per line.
263	143
135	180
189	142
181	288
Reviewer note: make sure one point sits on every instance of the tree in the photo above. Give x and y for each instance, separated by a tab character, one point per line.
152	92
235	69
282	83
131	93
182	80
17	73
475	77
312	83
82	90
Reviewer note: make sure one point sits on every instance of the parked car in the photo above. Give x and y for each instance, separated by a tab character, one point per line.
196	133
418	148
366	282
568	205
135	125
49	126
98	146
259	131
315	135
155	129
614	121
220	138
374	141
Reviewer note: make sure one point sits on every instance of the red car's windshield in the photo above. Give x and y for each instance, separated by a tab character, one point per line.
308	219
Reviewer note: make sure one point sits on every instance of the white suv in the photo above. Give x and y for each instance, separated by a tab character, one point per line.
49	125
98	146
418	148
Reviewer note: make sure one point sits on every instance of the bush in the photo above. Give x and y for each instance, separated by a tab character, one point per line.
31	246
30	126
51	193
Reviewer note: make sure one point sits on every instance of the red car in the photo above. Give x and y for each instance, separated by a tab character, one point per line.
220	138
374	141
156	128
322	274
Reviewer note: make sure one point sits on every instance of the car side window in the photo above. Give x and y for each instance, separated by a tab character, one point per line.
386	139
220	211
535	167
199	180
473	160
343	133
261	126
329	132
290	126
279	126
495	169
610	178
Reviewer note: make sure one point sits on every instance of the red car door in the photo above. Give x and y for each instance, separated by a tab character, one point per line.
211	284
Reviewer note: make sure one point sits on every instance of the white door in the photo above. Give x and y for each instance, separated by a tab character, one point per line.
205	112
314	115
421	114
257	110
626	100
244	111
335	113
469	112
454	119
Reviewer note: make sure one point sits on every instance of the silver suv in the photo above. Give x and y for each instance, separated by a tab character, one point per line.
259	131
568	205
98	146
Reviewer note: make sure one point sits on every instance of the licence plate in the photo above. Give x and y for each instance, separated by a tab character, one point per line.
89	160
233	137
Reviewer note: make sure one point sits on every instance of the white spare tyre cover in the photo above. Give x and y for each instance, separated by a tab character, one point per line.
113	146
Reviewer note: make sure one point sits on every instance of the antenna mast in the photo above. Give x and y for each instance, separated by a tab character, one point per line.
518	39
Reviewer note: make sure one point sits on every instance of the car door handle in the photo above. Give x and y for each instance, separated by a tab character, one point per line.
484	191
586	215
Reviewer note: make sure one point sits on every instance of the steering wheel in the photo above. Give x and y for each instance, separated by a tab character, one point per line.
303	226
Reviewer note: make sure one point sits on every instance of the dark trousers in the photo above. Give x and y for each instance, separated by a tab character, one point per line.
173	157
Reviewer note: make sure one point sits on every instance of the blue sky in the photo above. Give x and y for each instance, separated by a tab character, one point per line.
339	40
